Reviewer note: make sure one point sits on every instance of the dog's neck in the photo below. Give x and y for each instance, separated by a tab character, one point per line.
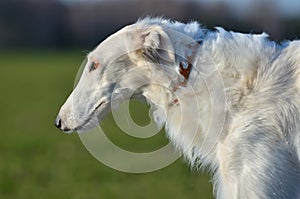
186	106
196	112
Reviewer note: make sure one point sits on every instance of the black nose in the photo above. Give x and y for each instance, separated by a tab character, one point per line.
58	122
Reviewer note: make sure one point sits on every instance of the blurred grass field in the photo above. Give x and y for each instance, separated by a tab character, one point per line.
39	162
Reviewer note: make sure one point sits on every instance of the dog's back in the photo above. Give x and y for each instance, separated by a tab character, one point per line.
263	147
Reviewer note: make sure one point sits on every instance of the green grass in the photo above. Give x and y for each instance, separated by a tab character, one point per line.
38	161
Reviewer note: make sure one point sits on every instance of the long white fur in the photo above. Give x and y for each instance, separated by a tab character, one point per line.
248	135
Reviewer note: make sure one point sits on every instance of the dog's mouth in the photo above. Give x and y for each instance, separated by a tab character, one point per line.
90	122
98	106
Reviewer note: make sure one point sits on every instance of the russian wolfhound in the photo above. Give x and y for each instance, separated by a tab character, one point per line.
229	101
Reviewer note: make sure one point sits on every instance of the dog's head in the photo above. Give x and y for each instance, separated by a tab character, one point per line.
119	65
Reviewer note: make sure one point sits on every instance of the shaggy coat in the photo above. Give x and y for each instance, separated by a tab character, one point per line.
236	111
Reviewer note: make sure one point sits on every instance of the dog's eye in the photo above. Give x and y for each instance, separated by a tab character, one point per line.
94	65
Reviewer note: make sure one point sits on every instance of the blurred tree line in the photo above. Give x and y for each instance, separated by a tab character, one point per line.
51	23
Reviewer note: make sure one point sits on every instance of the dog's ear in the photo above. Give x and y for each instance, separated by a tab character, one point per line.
153	44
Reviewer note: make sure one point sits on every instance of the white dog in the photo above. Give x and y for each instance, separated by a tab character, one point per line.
229	101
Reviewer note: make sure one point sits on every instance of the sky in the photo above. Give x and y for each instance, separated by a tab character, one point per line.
291	6
285	7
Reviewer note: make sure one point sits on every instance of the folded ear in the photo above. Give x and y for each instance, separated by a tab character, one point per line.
153	44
